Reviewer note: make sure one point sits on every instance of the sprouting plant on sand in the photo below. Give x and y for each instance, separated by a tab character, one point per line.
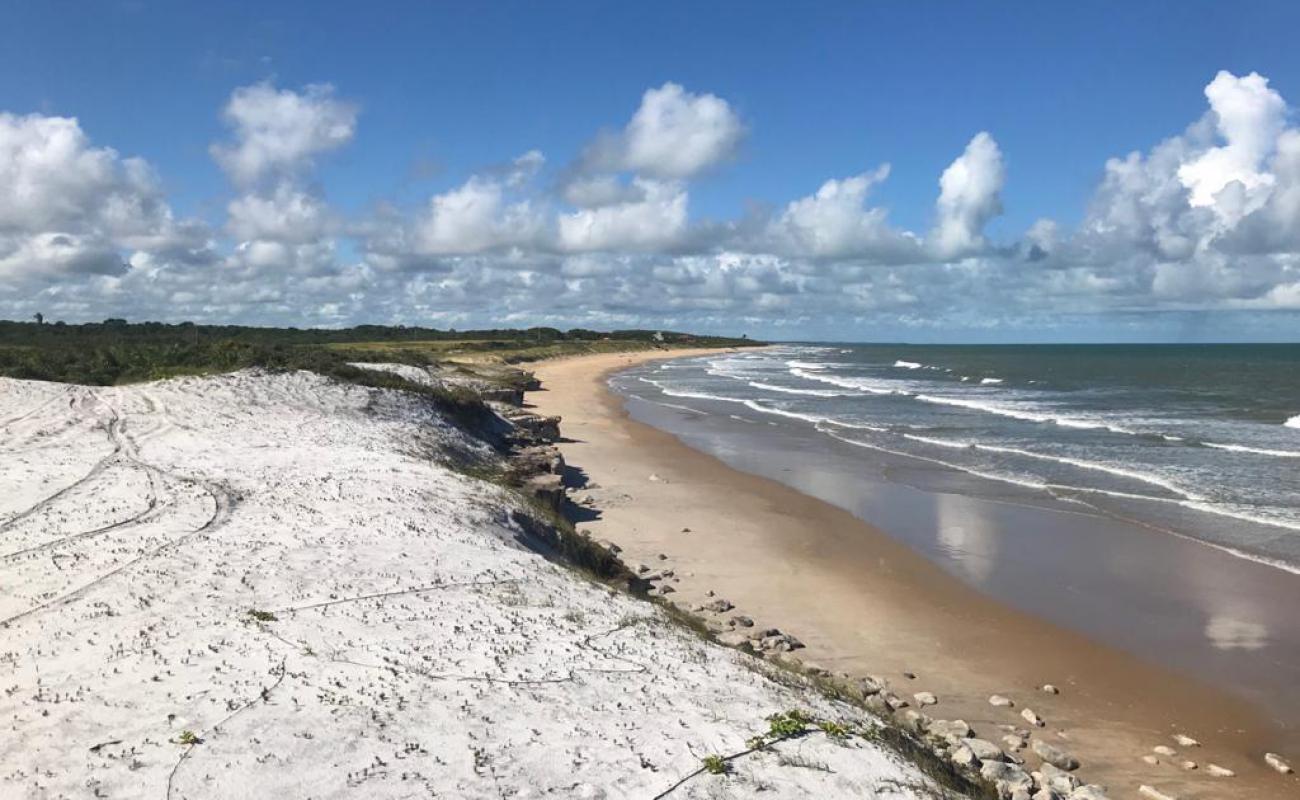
188	738
833	729
715	765
790	723
262	616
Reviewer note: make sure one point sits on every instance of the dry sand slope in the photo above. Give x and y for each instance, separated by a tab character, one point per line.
418	649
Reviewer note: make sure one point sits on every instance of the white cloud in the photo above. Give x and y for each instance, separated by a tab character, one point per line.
286	214
476	217
279	132
1249	116
68	207
969	197
836	223
673	134
655	218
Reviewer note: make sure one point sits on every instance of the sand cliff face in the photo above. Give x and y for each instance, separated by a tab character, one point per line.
270	585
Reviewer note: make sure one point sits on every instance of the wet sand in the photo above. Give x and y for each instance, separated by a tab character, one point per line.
865	601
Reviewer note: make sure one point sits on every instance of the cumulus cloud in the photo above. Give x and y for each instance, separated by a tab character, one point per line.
836	223
69	208
1209	218
969	196
674	134
279	132
654	217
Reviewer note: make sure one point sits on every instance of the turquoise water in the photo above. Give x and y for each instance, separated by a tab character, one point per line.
1202	441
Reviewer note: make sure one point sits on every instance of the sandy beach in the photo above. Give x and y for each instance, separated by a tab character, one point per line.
864	603
275	585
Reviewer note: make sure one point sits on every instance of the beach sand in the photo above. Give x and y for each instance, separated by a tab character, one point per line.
864	603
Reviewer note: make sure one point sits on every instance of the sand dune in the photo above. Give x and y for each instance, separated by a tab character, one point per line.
271	585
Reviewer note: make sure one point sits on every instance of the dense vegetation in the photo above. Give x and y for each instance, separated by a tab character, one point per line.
115	351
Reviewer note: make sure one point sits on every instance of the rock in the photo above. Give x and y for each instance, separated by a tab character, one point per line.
665	589
686	530
869	686
1219	772
1021	794
1045	794
1007	777
1150	759
915	721
876	703
1054	755
662	557
718	606
911	676
1032	718
1090	791
1153	793
780	642
1164	750
893	701
1057	779
1050	689
1185	741
985	750
999	701
732	638
1013	742
1188	765
925	698
950	730
963	756
742	620
642	569
1278	763
656	479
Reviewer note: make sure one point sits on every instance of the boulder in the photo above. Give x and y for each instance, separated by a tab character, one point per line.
1007	777
1219	772
1183	740
1164	750
1054	755
1278	763
925	698
718	606
742	621
1013	742
1089	791
1050	689
950	730
1032	718
1057	779
915	721
985	750
1153	793
999	701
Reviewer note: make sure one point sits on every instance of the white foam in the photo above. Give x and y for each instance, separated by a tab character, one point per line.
861	384
1262	451
1294	422
771	387
1073	462
907	365
991	381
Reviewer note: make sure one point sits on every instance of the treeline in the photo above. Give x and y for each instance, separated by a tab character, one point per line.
115	351
119	331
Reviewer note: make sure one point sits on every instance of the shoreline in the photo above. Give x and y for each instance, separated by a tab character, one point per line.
866	603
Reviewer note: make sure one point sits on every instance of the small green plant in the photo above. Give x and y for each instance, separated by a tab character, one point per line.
188	738
262	616
791	723
756	743
833	729
715	765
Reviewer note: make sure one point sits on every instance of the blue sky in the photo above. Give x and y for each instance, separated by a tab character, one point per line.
439	93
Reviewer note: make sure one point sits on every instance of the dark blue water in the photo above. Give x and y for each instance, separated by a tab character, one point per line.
1202	441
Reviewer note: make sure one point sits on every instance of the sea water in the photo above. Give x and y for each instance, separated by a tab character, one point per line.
1200	441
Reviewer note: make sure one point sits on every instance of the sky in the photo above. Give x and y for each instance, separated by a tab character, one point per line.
902	171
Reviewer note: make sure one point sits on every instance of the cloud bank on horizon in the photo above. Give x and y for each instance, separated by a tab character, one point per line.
1208	219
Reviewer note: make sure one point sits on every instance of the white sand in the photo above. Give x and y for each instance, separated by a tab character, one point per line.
419	649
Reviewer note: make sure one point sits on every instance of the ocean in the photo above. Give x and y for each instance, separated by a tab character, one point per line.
1200	441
